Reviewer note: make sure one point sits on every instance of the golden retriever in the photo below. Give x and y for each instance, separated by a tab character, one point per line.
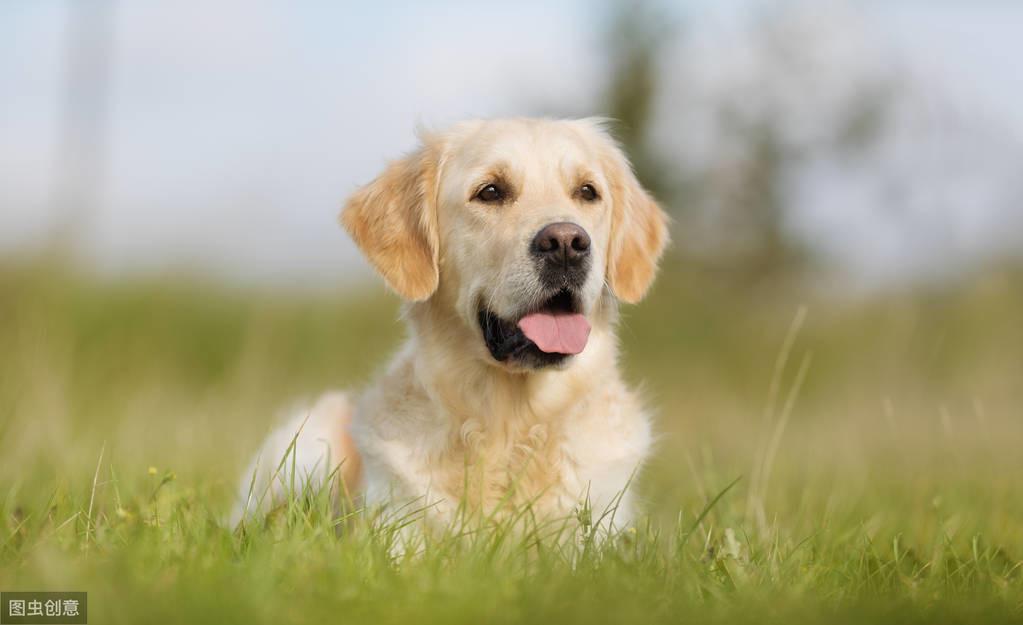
512	242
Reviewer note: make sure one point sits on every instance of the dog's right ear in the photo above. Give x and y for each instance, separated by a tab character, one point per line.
393	220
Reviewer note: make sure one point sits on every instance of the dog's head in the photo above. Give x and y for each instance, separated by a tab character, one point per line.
518	228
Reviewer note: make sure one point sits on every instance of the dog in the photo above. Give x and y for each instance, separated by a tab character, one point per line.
511	242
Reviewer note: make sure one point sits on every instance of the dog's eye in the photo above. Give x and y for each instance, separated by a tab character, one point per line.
490	194
588	193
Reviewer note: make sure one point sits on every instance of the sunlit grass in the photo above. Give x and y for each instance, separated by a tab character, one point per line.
876	445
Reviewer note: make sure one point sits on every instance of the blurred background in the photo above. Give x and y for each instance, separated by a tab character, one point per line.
840	313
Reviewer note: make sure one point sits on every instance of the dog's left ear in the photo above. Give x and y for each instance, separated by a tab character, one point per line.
393	220
639	233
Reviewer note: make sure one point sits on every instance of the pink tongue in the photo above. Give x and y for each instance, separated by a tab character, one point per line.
556	333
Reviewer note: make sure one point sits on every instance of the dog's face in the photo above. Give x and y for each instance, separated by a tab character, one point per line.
517	228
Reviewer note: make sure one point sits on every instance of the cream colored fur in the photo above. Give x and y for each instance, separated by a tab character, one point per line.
446	424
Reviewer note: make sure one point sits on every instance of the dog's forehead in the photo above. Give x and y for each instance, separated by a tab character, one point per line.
525	146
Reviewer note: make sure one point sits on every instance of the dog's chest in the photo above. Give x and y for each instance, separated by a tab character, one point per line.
526	463
488	445
554	467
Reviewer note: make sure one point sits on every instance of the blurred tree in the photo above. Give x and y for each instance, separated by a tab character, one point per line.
772	138
636	35
752	200
83	122
734	201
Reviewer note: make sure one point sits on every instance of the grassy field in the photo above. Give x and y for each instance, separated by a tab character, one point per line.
877	444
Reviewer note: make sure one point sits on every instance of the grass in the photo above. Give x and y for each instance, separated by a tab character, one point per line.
876	443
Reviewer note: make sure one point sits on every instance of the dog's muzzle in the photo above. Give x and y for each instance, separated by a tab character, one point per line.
554	330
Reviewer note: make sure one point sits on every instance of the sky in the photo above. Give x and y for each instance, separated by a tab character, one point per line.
234	130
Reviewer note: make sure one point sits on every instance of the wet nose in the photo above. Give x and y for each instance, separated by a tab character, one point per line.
563	243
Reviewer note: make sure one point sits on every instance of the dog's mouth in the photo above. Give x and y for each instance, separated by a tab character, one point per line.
546	335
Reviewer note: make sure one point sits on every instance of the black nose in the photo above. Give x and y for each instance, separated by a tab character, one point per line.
563	243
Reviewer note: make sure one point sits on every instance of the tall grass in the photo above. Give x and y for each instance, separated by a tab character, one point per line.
876	441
